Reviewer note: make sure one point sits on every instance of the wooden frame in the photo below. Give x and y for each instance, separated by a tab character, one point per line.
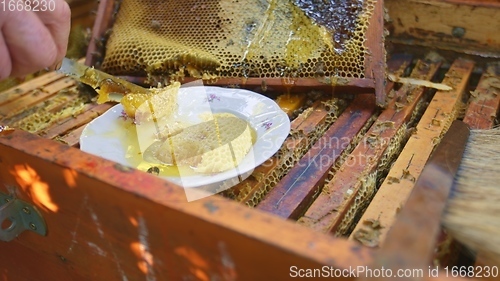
461	26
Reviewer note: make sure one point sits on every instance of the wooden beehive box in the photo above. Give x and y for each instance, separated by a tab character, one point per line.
326	202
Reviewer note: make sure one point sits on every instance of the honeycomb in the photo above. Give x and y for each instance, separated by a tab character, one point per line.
62	105
361	201
232	38
161	102
288	158
208	147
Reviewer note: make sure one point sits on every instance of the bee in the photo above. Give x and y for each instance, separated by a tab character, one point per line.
99	42
154	170
263	85
97	55
155	24
107	33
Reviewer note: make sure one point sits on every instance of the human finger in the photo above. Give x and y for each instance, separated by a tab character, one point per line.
57	18
5	61
30	44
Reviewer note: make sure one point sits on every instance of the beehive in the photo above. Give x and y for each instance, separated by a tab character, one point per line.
310	175
329	197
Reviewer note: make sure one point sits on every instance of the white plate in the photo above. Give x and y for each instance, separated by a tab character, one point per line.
112	137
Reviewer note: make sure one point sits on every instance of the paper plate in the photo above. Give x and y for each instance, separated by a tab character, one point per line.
114	137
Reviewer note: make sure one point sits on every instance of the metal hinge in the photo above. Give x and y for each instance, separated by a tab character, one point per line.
17	216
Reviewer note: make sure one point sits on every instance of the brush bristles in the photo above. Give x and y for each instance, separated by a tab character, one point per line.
472	215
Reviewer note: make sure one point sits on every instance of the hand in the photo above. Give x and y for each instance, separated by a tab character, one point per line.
31	41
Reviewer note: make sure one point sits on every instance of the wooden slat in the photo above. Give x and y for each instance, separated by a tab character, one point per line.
485	100
108	222
305	130
344	194
375	62
38	95
105	14
72	138
42	114
296	190
25	88
411	240
91	112
13	119
400	180
244	191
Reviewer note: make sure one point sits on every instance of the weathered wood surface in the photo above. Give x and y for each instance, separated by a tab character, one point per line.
305	130
413	232
103	21
485	100
109	222
463	26
396	187
412	238
89	113
352	187
294	193
375	61
25	88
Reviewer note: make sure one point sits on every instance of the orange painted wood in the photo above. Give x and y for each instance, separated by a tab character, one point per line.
396	187
375	61
485	100
103	21
109	222
31	264
294	193
328	210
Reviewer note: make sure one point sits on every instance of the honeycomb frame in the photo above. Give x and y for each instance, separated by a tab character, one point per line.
370	79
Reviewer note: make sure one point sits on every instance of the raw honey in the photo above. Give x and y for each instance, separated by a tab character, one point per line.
229	38
204	148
